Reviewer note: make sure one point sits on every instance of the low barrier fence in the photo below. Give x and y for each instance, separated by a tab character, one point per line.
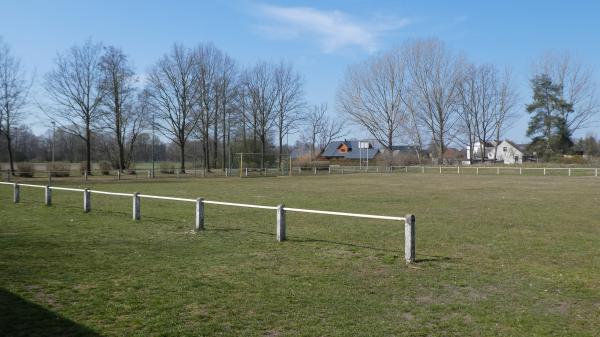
281	210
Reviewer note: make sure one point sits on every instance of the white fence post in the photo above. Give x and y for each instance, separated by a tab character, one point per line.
246	171
87	200
596	173
520	171
458	170
569	171
497	171
280	223
47	195
477	170
136	206
409	238
199	214
544	171
423	169
16	193
118	174
440	169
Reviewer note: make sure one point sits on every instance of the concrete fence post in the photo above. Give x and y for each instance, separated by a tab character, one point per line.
47	195
281	223
520	171
477	170
440	170
199	214
16	193
315	170
423	169
118	174
85	175
497	171
596	173
300	170
136	206
569	171
87	200
330	170
458	170
544	171
409	238
246	171
149	174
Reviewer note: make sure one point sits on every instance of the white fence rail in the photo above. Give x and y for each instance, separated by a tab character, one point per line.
409	220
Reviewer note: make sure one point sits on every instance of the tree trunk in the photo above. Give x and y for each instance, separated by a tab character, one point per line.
88	149
10	152
182	154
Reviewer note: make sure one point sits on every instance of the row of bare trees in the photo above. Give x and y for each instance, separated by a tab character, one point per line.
201	92
422	92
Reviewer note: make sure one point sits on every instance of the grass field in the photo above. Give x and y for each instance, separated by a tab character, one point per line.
496	256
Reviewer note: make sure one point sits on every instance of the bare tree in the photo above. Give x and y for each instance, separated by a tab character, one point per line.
434	74
173	94
74	85
14	89
290	103
374	95
478	97
261	89
578	87
320	129
119	115
505	114
226	98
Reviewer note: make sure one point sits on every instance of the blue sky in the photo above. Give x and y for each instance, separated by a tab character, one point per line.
320	38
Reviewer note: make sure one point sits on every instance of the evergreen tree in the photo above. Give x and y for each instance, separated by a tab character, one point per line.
548	125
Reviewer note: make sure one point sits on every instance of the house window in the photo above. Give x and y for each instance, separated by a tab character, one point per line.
516	159
505	149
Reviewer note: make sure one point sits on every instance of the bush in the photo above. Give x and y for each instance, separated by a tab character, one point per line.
167	168
105	167
25	170
59	169
578	160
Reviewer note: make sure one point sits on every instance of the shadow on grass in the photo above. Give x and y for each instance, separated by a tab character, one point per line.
19	317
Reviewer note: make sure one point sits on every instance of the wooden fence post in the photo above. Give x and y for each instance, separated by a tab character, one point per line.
87	200
281	223
136	206
409	238
16	193
47	195
199	214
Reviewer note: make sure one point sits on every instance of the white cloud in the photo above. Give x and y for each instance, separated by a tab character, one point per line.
333	30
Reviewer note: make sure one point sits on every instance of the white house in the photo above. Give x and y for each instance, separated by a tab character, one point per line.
506	152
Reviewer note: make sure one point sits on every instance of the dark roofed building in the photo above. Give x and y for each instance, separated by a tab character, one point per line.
348	150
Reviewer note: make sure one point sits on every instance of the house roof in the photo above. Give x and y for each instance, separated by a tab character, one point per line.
332	150
520	147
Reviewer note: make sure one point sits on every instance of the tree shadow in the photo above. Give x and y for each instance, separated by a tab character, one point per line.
19	317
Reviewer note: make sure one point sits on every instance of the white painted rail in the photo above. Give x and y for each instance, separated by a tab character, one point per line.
409	220
354	215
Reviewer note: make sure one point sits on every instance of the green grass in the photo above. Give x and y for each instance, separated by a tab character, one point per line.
496	256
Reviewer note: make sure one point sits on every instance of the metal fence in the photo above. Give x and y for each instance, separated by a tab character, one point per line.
409	220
